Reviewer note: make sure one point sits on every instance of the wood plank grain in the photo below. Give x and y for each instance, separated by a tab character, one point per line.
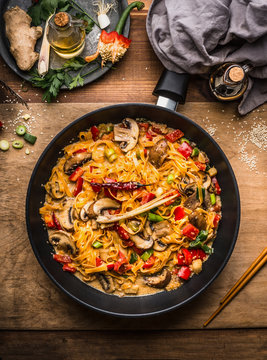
31	301
154	345
132	80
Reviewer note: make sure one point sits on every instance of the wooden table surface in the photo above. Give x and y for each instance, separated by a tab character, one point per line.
38	321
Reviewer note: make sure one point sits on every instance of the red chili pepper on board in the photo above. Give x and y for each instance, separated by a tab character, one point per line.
68	268
179	213
184	273
174	136
63	259
190	231
79	186
76	174
95	132
185	149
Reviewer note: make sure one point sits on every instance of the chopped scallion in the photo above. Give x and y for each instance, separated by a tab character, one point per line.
213	199
21	130
154	217
17	144
97	244
4	145
146	255
170	179
195	152
30	138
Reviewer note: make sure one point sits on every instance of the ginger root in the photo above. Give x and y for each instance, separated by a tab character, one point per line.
22	37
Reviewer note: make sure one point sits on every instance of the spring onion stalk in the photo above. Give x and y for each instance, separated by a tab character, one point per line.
97	244
183	139
43	62
154	217
120	25
213	199
170	179
110	155
195	152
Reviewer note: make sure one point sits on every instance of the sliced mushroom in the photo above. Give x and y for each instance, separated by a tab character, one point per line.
158	153
197	219
66	216
160	280
94	208
142	243
56	189
159	246
106	281
126	135
147	230
206	181
76	160
160	229
192	202
207	201
188	189
62	241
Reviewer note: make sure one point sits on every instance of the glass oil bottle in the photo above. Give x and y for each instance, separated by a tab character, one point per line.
66	35
229	81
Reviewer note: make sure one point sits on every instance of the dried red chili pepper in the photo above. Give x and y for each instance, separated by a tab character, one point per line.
128	186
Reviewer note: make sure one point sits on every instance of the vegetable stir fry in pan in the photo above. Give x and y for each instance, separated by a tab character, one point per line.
132	208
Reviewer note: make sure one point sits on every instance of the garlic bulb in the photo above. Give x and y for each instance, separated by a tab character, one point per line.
102	10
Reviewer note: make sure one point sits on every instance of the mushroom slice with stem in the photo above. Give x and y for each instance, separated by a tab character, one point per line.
106	282
55	189
142	243
159	246
127	134
61	241
160	229
160	280
158	153
94	208
66	216
206	181
77	159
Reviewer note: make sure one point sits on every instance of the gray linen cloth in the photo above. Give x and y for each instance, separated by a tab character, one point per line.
194	35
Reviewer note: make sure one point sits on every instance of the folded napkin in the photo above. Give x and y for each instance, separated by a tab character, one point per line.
194	35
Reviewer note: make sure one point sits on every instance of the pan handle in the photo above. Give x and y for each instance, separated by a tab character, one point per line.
171	89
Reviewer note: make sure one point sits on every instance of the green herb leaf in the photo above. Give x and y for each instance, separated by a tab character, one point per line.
84	17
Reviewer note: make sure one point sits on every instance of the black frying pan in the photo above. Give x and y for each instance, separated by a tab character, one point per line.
171	89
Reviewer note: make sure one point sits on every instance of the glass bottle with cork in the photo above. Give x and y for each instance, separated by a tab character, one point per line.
229	81
66	35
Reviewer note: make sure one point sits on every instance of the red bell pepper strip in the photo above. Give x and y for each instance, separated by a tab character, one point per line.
147	197
95	132
174	136
184	273
200	165
56	222
216	220
144	126
79	186
68	268
150	262
185	149
187	256
49	221
218	190
179	213
76	174
180	259
190	231
98	261
110	266
149	136
198	254
122	260
169	202
123	234
80	151
63	259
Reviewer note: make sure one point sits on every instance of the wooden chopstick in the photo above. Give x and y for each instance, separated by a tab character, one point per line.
249	273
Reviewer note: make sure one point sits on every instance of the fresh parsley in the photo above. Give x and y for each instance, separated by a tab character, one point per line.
44	8
56	78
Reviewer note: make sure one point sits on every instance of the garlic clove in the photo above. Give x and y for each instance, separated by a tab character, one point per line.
103	21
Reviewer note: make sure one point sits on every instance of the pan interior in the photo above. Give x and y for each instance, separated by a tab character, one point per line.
137	305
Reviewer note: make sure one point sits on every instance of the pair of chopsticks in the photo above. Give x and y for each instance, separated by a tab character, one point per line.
248	274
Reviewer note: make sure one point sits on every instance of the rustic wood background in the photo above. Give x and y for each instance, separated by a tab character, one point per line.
39	321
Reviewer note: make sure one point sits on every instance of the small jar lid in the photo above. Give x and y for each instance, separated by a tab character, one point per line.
61	19
236	74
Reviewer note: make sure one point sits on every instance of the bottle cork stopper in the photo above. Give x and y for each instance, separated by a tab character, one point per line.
236	74
61	19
